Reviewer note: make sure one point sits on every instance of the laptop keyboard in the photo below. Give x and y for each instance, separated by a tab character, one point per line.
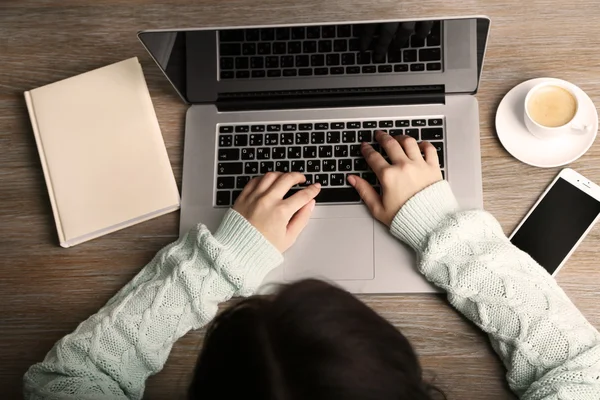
326	50
326	152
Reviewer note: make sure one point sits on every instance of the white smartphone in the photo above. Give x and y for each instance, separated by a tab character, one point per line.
559	220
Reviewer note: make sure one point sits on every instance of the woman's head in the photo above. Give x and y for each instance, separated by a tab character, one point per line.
310	341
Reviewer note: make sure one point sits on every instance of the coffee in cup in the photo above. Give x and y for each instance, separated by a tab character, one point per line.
552	106
552	110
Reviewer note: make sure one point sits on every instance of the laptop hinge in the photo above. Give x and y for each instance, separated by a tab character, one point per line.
328	98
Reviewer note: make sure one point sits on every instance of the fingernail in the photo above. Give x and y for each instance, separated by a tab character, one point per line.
352	180
318	185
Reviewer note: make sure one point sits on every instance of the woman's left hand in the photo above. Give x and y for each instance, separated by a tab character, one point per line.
280	220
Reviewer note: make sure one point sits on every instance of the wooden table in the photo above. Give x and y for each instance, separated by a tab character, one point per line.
45	291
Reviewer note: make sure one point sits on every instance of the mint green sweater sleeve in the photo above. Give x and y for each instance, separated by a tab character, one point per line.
549	349
112	353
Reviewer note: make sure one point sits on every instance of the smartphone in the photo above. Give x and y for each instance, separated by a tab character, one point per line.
559	220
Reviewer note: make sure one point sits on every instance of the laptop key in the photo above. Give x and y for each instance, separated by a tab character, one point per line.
340	150
364	136
302	61
355	150
432	133
348	136
256	139
242	63
430	54
369	177
340	45
395	56
321	71
310	46
396	132
364	58
322	125
241	181
369	69
273	73
360	164
298	166
267	166
227	62
249	49
225	140
353	125
264	49
345	165
229	154
336	70
230	49
298	32
313	166
305	72
313	32
287	61
323	179
344	31
294	152
419	122
272	62
242	74
317	137
328	31
337	125
227	75
225	182
259	73
434	67
317	60
282	33
225	129
348	59
417	67
329	166
223	198
325	46
410	56
354	44
264	153
273	128
400	68
435	122
308	181
251	168
305	127
280	48
231	35
336	179
240	140
414	133
230	168
257	62
353	70
290	127
369	124
309	152
384	68
257	128
290	72
252	35
282	166
416	41
386	124
294	47
302	138
325	151
402	123
278	153
271	139
287	138
248	154
332	60
333	137
338	195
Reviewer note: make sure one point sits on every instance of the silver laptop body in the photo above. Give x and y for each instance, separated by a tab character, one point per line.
232	99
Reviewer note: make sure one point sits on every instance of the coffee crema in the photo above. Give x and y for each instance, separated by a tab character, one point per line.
552	106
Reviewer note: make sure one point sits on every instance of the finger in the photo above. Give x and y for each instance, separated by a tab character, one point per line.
366	36
373	158
300	220
302	197
267	181
285	182
403	34
423	29
368	195
386	35
410	147
391	146
249	188
431	156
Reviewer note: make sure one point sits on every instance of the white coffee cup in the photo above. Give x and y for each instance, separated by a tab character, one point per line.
552	109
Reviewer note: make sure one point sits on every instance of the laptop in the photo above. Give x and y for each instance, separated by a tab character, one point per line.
302	98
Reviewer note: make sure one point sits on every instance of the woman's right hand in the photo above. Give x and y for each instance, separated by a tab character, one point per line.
405	175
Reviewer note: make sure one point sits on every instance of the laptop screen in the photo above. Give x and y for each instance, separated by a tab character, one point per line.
204	65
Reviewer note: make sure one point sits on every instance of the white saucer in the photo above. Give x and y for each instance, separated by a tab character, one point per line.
545	153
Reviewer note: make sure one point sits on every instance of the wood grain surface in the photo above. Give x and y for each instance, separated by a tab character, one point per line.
45	291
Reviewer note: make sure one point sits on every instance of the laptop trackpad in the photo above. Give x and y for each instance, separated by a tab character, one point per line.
332	249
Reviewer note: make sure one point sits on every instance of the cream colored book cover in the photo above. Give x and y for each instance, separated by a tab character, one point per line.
102	152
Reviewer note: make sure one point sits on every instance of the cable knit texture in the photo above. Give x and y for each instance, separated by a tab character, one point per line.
111	354
549	349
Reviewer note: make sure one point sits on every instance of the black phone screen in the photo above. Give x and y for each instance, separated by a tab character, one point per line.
556	224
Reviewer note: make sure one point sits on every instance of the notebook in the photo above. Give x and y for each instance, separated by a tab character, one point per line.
104	159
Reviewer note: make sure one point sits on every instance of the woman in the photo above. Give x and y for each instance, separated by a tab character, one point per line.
312	340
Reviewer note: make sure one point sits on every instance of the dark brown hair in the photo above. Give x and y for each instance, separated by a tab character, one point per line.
311	340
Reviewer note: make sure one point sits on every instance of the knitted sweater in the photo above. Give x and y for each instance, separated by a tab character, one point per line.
549	349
